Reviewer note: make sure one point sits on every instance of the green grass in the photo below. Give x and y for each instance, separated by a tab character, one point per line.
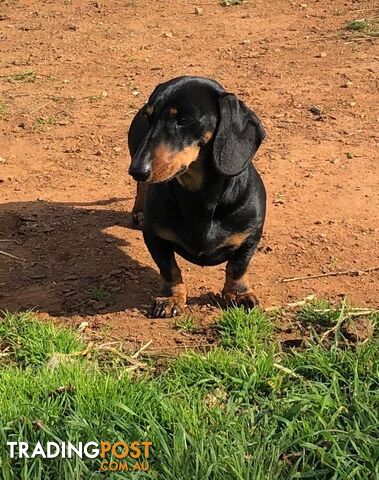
246	410
364	26
44	121
231	3
3	110
99	293
23	77
32	343
357	25
186	323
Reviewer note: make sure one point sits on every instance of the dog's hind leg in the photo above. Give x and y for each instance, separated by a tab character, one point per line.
139	205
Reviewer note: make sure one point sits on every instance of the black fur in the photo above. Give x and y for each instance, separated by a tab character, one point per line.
230	198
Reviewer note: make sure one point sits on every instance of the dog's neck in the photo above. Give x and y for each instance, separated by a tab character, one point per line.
204	188
197	176
193	179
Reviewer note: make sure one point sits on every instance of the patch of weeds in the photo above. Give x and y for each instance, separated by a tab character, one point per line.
362	25
319	312
357	25
106	330
95	98
31	342
98	98
244	329
23	77
231	3
186	324
3	110
99	293
42	121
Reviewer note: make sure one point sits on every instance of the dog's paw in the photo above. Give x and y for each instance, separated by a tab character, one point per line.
245	299
138	220
167	307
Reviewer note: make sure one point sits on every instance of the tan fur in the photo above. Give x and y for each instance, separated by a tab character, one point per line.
174	292
232	285
166	234
167	163
193	178
235	240
238	291
207	136
149	110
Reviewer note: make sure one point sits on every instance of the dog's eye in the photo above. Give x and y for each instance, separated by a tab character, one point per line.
184	120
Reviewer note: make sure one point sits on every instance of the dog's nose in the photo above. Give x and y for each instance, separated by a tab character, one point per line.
141	173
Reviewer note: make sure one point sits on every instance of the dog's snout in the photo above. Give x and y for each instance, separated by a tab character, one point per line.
140	173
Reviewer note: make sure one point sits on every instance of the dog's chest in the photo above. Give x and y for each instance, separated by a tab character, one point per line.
204	240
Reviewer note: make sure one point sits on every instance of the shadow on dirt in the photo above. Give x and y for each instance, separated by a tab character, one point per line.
72	259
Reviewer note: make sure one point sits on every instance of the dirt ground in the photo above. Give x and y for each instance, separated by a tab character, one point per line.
73	74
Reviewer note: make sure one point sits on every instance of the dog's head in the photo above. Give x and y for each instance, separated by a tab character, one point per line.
181	117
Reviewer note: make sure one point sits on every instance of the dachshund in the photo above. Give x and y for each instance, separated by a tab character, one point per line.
198	193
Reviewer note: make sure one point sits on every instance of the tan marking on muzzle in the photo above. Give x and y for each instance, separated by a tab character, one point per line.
167	162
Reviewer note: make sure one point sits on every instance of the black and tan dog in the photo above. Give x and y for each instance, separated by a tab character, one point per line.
191	147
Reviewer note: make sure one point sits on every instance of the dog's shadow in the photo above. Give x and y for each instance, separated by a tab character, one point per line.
67	259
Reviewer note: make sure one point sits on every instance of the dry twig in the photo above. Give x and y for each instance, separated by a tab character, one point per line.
329	274
12	256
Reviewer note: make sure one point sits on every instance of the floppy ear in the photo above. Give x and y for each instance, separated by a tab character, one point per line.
238	137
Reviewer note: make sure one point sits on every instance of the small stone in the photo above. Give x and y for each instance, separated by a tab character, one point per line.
117	149
167	34
315	110
198	11
2	160
321	55
135	93
352	104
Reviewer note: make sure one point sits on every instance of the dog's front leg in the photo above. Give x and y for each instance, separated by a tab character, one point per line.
173	299
139	205
237	290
